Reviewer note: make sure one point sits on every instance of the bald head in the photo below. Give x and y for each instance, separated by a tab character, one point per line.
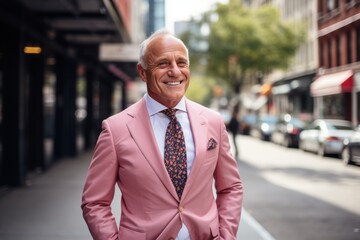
148	44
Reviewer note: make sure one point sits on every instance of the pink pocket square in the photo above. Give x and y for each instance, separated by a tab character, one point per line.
211	144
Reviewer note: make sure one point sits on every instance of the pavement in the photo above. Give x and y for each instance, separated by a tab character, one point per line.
49	207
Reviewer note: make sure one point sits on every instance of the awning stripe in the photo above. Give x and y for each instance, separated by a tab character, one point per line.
334	83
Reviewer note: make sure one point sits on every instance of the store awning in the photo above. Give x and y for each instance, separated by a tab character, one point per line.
265	89
330	84
259	102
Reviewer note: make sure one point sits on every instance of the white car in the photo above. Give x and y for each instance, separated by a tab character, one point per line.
325	136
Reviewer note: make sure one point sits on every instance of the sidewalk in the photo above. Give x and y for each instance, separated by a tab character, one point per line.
50	208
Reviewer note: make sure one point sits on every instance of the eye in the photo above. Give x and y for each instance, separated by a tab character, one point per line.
182	63
163	64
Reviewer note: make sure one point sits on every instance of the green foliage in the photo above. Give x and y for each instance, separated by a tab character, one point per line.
243	41
200	89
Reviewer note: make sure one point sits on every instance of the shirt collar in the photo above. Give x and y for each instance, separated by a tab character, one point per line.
154	107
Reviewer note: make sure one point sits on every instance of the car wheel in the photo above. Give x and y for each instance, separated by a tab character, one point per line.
286	142
321	150
301	145
346	156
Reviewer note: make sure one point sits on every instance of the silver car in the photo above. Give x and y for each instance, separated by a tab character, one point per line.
325	136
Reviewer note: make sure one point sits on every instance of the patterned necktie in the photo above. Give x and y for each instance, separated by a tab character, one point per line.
175	152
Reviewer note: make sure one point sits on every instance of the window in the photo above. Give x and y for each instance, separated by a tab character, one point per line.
320	7
329	54
338	53
330	5
348	47
322	55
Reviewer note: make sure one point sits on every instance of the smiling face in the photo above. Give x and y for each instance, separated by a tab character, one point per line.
167	75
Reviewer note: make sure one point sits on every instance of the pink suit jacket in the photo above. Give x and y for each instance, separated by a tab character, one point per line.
127	154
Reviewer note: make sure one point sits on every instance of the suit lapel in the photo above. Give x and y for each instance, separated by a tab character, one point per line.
199	126
141	131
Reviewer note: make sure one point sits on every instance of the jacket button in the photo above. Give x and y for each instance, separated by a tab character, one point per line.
181	209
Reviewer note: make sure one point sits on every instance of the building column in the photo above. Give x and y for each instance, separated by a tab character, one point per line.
14	110
89	120
325	54
343	46
35	71
105	99
65	121
354	42
333	62
124	102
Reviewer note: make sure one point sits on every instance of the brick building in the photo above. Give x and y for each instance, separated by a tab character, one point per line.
336	90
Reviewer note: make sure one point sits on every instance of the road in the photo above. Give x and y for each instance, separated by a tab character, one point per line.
297	195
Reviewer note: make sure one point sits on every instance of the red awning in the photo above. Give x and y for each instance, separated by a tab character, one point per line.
332	84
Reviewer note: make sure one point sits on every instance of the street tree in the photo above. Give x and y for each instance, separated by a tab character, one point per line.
244	41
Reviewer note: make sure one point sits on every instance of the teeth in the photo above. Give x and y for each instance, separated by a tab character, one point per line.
173	83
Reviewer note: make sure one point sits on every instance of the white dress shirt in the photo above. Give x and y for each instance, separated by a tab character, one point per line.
159	122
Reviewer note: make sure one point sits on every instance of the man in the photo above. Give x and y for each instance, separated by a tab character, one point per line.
167	189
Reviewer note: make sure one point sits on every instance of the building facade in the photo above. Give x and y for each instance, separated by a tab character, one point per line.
156	17
54	89
290	88
323	80
337	85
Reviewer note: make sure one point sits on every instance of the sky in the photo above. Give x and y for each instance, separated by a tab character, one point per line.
180	10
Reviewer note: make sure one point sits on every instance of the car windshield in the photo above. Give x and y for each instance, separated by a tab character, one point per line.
297	123
249	118
269	119
338	126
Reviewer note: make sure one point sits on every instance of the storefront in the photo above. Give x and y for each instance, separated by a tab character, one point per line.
291	96
336	95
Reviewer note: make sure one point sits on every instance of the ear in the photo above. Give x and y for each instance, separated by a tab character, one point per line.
141	72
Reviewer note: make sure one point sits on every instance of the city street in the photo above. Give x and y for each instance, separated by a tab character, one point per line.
49	207
298	195
289	195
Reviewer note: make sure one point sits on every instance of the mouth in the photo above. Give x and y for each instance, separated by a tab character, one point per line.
172	83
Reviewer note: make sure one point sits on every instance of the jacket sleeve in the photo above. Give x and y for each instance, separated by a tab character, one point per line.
229	189
99	187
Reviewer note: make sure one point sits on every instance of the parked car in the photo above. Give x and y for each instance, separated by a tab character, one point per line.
264	127
351	149
247	121
325	136
287	131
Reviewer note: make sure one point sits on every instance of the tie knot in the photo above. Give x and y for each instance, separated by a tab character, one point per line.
170	112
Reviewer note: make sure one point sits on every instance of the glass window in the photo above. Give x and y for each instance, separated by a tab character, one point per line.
338	53
348	47
334	106
338	127
330	5
49	89
329	54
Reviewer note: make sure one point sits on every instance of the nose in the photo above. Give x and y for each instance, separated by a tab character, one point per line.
174	70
